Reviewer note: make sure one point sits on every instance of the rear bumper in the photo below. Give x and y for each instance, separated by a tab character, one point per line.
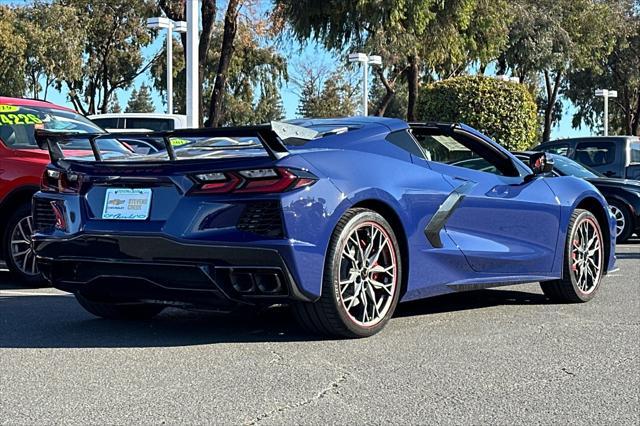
159	269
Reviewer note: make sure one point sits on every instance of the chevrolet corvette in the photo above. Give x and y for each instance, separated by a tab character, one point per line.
339	218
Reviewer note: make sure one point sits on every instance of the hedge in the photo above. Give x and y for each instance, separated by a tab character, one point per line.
503	110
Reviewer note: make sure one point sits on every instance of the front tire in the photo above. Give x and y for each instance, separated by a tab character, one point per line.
19	255
362	279
119	311
584	261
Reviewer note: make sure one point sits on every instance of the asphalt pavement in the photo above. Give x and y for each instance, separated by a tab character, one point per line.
500	356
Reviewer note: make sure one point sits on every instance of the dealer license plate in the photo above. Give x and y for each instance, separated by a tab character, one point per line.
127	204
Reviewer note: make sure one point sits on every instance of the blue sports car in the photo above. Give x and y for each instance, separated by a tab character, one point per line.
339	218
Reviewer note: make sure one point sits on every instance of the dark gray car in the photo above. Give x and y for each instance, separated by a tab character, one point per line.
613	156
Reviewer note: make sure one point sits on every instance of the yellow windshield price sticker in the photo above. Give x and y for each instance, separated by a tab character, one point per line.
18	119
8	108
179	142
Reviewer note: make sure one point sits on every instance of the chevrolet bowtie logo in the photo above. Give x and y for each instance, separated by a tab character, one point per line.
116	202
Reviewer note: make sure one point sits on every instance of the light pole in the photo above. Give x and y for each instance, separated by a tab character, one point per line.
170	26
365	61
193	79
606	94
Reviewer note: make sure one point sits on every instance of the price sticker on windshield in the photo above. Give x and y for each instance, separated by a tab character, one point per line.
8	108
14	116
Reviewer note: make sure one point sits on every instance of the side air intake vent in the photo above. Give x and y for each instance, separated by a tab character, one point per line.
44	219
262	218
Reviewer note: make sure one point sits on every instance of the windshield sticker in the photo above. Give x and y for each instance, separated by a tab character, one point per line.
179	142
18	119
8	108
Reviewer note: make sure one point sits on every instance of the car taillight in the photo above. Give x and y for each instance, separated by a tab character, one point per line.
54	180
253	181
59	213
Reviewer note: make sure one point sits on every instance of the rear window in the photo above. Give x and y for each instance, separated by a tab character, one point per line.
17	124
155	124
594	154
635	151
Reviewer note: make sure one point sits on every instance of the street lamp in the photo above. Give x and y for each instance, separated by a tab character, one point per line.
193	61
171	27
366	61
606	94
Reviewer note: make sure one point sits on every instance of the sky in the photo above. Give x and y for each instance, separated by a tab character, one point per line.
289	92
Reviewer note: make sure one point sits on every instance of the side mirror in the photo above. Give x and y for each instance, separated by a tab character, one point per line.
541	163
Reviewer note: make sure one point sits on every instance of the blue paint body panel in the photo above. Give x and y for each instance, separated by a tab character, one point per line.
505	230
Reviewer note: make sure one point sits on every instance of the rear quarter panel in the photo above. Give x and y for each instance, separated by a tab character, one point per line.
378	171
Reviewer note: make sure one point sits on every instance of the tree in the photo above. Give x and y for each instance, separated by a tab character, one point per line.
253	79
115	107
620	70
48	60
115	33
140	101
269	107
325	95
503	110
387	101
549	38
417	38
13	48
174	9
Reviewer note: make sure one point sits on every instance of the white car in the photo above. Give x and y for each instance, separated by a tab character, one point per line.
130	122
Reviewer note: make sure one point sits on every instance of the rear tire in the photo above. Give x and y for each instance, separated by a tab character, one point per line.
119	311
361	281
16	244
584	262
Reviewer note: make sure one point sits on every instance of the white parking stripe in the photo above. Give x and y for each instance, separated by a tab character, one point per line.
25	293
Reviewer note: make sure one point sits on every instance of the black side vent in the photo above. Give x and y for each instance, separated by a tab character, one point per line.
262	218
44	219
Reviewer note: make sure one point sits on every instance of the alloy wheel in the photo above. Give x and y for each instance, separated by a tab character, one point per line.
620	220
368	274
586	255
21	252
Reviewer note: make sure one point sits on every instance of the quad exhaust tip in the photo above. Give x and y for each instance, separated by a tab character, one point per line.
257	283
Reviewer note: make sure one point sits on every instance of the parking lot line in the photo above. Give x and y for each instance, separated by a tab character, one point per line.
30	293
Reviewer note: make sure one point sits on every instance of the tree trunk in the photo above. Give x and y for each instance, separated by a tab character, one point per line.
226	54
388	96
552	88
412	82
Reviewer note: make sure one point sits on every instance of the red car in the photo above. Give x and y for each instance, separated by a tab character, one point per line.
21	166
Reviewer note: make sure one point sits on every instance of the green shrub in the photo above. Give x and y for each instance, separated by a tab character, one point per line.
502	110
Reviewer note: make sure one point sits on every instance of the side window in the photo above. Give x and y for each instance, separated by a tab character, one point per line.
107	123
464	153
404	140
634	148
596	153
155	124
443	149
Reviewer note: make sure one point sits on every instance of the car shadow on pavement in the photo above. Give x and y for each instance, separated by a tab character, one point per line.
463	301
57	321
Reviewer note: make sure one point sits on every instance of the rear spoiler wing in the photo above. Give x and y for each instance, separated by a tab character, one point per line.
272	137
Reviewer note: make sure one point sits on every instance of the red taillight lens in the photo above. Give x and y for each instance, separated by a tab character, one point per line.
59	213
255	181
54	180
